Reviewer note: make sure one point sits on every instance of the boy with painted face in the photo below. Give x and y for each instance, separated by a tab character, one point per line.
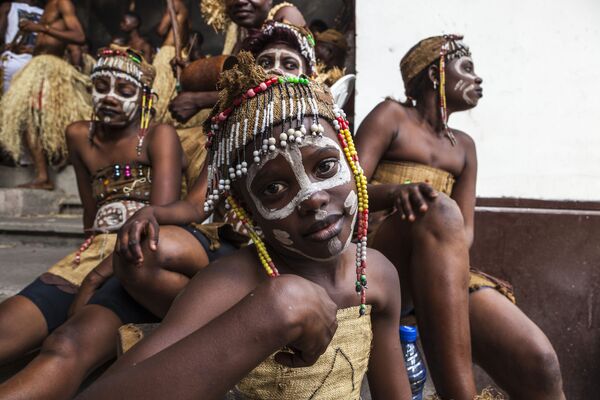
426	171
281	156
122	164
185	247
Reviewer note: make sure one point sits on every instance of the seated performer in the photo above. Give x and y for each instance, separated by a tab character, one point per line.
416	160
183	247
17	46
238	18
122	163
294	174
47	95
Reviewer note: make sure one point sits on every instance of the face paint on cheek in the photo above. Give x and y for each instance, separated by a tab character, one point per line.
128	104
307	188
467	89
335	246
351	203
283	237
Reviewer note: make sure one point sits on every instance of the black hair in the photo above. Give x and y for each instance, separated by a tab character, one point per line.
318	25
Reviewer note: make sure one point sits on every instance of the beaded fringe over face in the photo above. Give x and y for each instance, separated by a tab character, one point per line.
253	110
124	63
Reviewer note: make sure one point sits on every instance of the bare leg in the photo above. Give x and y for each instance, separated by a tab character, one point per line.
22	328
41	179
432	259
165	272
512	349
72	351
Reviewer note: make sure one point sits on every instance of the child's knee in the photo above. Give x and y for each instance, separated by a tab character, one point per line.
443	219
63	343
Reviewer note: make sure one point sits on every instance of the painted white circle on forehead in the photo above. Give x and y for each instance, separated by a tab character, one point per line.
307	188
278	56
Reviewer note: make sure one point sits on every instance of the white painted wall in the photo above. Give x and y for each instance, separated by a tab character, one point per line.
537	127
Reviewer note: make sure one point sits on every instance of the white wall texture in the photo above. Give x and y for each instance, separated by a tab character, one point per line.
537	128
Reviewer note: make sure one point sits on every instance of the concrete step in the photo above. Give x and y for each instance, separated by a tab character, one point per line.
49	230
63	178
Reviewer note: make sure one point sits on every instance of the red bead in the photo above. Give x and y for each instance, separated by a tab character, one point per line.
263	86
250	93
237	102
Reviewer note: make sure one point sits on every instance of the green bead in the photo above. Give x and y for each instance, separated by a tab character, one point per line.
363	309
281	80
363	280
358	287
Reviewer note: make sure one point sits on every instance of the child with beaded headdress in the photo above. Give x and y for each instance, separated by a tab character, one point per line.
424	175
123	162
282	158
289	50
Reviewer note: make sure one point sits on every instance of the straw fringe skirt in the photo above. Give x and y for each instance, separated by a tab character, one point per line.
44	98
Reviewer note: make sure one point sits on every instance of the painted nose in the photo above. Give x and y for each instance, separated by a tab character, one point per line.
313	203
478	80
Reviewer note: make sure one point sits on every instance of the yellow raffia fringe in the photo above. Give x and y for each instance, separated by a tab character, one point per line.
214	14
165	83
486	394
64	96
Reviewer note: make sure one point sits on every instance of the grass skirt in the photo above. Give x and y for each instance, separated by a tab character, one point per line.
44	98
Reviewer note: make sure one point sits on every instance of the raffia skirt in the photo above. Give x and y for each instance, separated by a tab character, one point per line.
43	99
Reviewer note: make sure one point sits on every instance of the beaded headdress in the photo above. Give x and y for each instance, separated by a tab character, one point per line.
443	48
252	111
125	63
296	37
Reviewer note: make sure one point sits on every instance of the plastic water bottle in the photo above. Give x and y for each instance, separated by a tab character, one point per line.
415	367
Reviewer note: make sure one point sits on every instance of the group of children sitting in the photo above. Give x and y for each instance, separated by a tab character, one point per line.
293	290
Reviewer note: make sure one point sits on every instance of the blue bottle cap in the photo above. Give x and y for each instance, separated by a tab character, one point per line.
408	333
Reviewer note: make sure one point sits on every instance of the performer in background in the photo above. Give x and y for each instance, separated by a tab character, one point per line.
17	46
421	169
47	95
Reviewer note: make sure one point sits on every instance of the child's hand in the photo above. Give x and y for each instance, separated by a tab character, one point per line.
142	223
315	323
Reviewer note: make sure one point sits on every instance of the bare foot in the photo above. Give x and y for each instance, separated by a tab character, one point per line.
38	184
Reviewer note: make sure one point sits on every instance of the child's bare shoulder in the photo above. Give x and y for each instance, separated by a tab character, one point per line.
77	133
383	281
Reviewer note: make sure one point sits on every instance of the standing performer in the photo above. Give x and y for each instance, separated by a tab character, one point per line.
122	163
47	95
416	161
166	83
18	46
294	174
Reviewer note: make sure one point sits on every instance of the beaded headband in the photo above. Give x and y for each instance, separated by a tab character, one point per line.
125	63
256	117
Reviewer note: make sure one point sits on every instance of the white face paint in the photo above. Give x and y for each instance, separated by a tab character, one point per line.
130	105
462	86
351	203
307	188
283	237
275	59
